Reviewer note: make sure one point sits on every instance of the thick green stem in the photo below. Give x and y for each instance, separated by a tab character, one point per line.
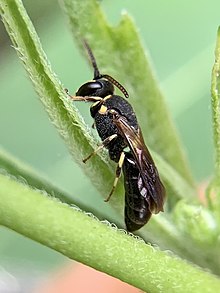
83	238
25	173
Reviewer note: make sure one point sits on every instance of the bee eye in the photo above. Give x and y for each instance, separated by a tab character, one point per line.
89	89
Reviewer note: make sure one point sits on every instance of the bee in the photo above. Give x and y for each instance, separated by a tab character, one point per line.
117	126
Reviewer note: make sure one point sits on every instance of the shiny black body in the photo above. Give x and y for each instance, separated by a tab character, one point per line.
118	128
137	212
106	128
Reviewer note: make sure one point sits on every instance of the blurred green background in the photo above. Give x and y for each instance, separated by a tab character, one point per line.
180	38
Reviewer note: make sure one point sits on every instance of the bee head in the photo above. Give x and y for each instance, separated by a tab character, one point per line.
99	87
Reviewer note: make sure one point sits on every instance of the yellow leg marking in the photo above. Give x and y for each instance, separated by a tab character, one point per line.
96	103
107	97
117	175
104	144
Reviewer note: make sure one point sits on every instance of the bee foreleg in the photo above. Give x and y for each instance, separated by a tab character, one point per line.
117	174
84	99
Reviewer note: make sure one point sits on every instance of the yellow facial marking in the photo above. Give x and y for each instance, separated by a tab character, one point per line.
103	110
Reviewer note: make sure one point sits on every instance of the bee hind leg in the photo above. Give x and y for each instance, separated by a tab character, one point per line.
117	175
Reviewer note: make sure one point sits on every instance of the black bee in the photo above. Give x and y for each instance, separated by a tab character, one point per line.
118	128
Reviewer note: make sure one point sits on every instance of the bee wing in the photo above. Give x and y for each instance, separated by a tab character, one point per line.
149	182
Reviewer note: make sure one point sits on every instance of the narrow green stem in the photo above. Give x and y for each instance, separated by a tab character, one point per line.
215	90
214	186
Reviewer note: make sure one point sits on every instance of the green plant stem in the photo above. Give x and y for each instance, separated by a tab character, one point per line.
83	238
214	186
215	90
24	173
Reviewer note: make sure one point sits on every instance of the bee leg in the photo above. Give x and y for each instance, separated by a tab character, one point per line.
104	144
85	99
117	174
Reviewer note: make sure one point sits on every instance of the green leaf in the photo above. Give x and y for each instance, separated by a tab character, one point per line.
196	222
129	65
198	225
101	246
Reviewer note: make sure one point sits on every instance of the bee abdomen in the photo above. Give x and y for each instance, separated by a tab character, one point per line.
137	212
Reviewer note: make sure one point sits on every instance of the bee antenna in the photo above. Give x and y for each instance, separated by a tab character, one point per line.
97	74
117	84
92	59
